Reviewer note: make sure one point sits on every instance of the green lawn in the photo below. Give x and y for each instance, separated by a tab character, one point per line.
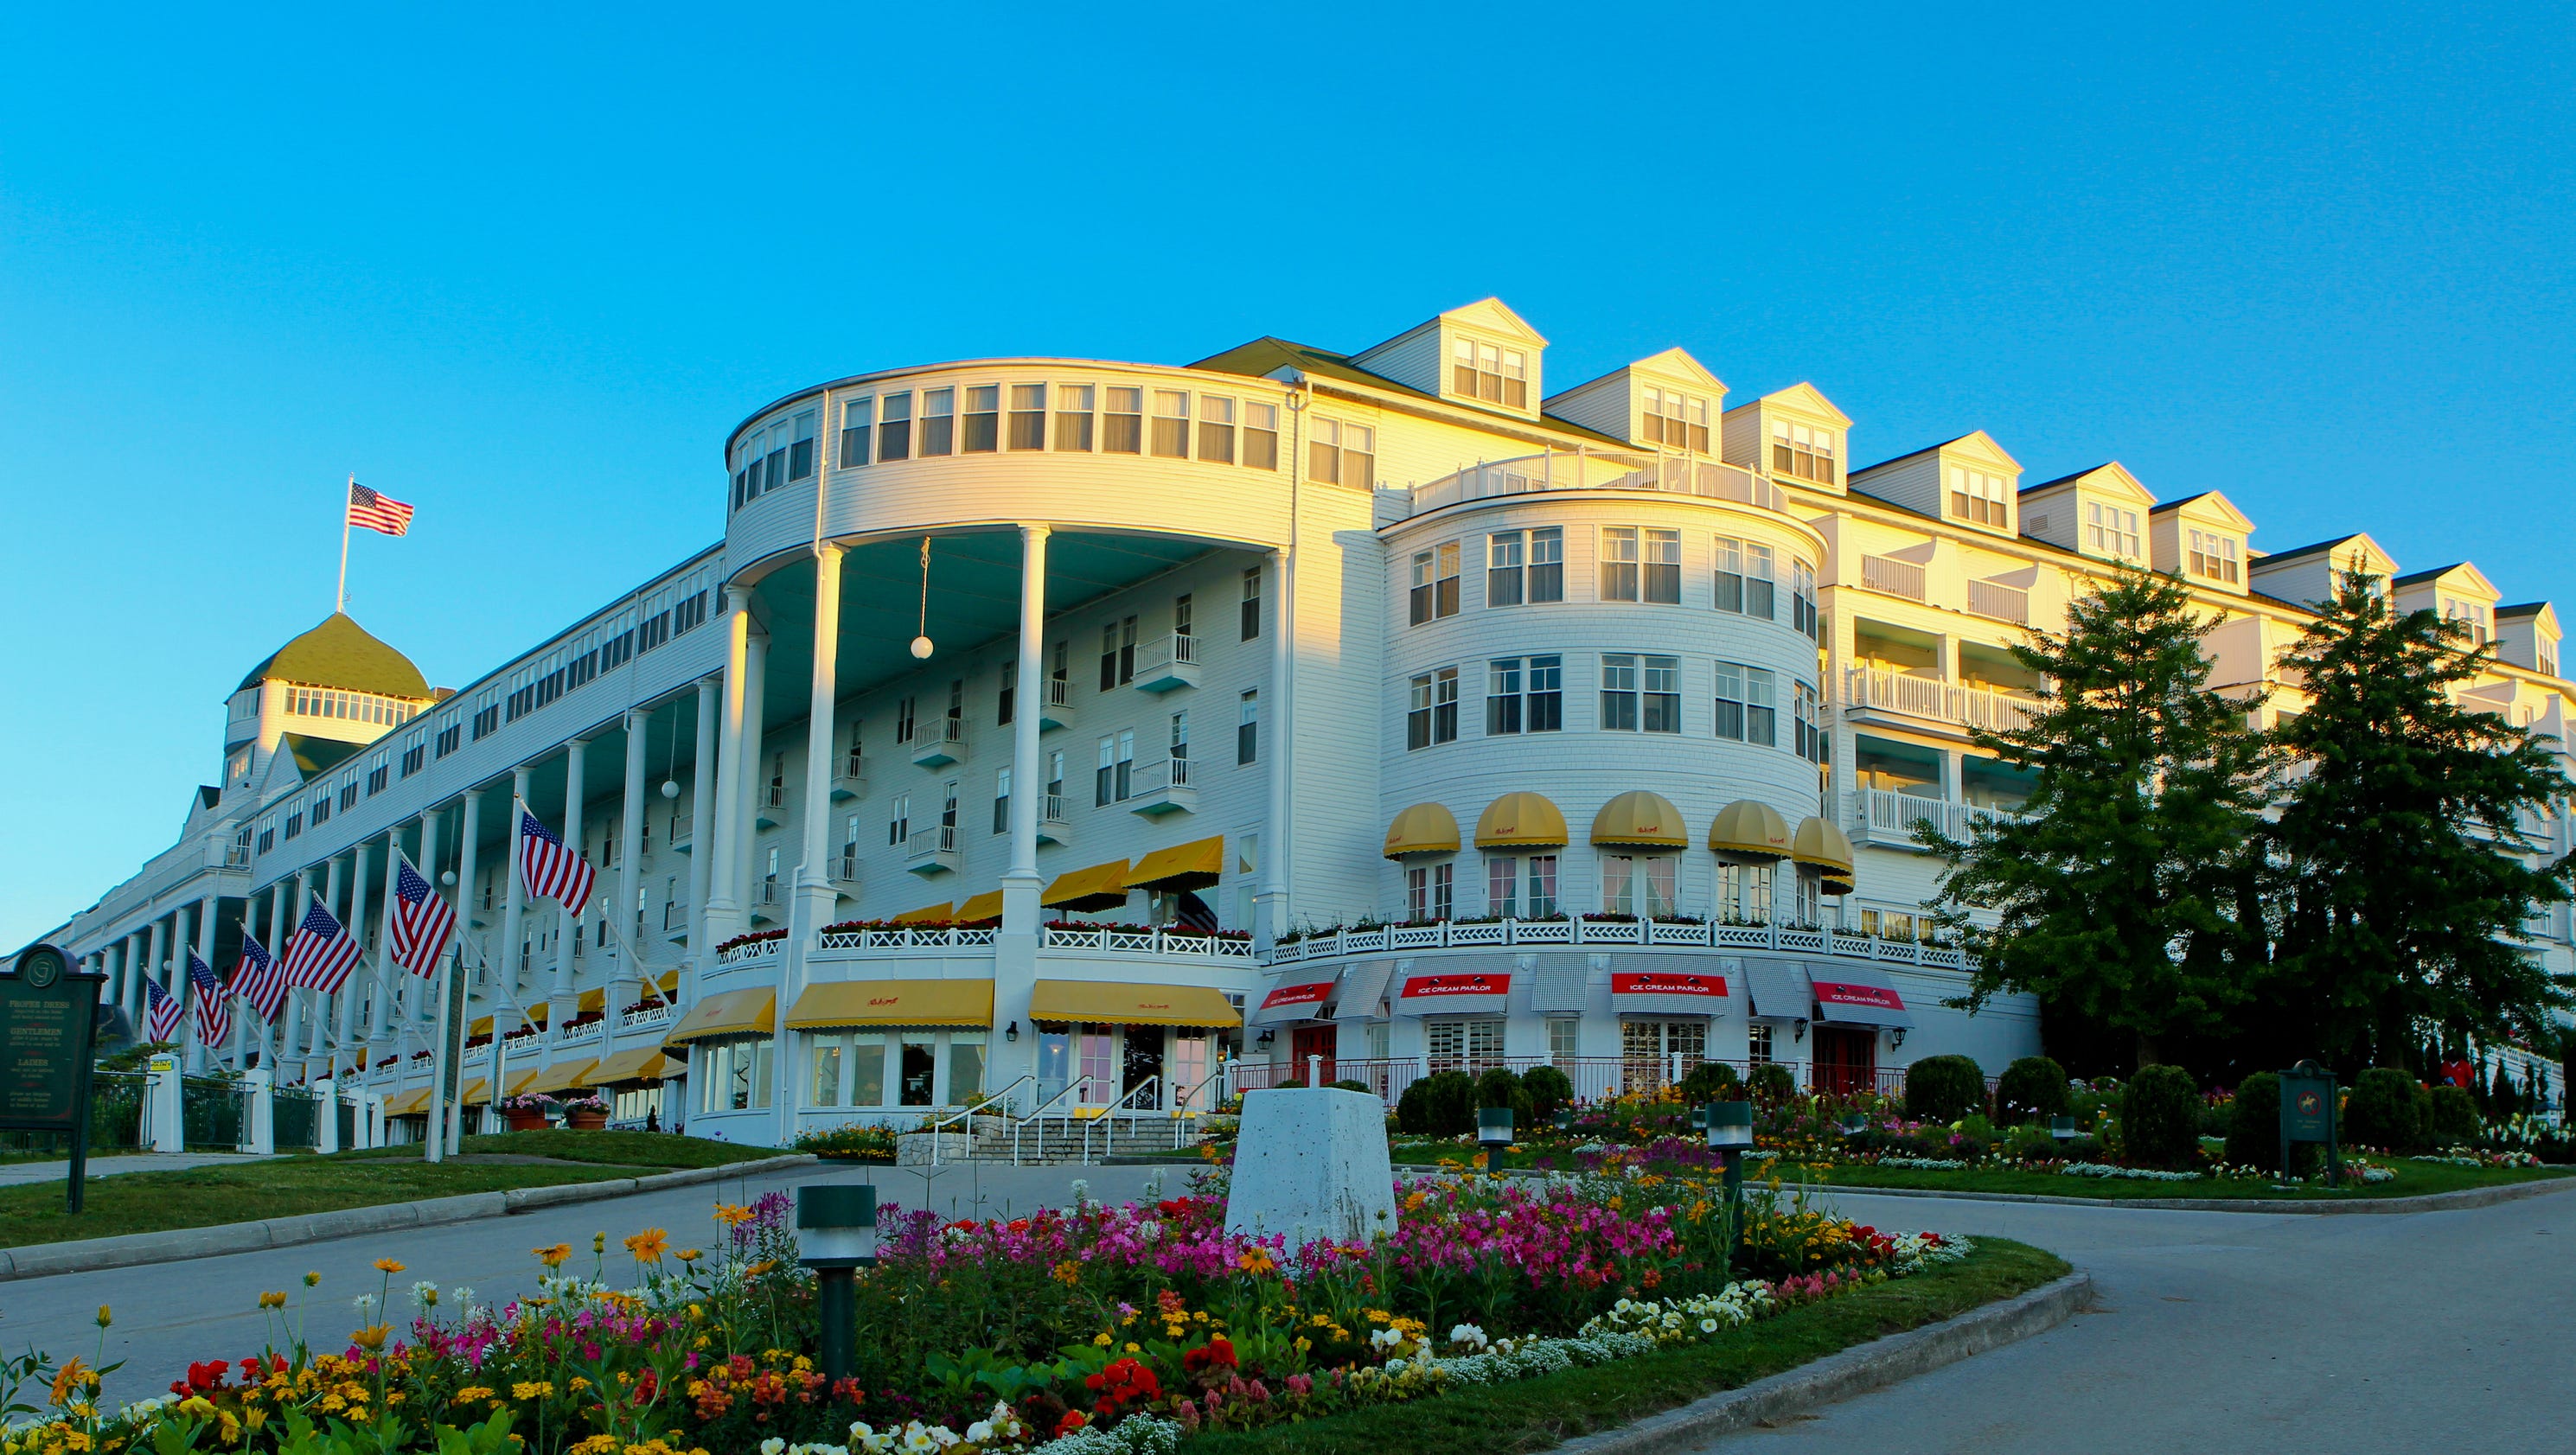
150	1202
1534	1414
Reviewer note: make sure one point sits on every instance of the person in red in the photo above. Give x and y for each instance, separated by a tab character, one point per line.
2458	1072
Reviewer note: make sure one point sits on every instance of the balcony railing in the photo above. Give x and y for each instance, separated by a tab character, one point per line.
651	1015
1871	688
675	916
1595	1078
845	867
1892	577
1160	786
745	954
1600	470
1168	662
1144	942
1452	934
1885	816
940	742
931	850
1998	602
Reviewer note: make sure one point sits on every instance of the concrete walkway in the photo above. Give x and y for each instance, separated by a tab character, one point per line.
18	1174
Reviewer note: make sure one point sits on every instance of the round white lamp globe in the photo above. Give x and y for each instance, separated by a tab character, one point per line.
921	648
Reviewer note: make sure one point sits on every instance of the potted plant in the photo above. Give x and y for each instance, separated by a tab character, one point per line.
590	1114
527	1113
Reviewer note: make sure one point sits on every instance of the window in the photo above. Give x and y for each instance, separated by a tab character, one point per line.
1427	891
1247	728
1744	578
294	824
1248	611
1619	692
268	833
1111	780
858	420
1744	893
321	809
487	716
824	1060
903	719
1664	567
1184	621
1181	734
894	429
2213	556
1618	575
380	772
1435	583
1172	423
1054	805
1216	429
1802	600
800	449
1807	713
1261	436
2471	615
1757	1044
1431	713
956	708
1663	694
1520	888
1801	452
2110	530
1472	1046
1073	417
983	419
448	739
1746	708
1001	800
412	754
1489	372
1342	454
1506	567
1564	1040
1029	416
938	422
1676	419
1638	885
1117	653
1524	695
1122	425
1006	698
1976	495
1547	564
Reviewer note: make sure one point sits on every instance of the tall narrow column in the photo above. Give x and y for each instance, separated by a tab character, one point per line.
814	898
703	813
722	906
755	726
1015	947
206	911
502	970
317	1035
568	924
137	970
344	1006
389	976
630	965
469	843
187	993
289	1012
1270	901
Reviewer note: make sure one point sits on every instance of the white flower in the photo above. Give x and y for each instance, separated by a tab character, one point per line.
1469	1335
772	1445
1708	1326
979	1432
364	1303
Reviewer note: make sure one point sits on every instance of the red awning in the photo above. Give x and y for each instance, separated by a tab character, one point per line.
1480	992
1296	995
1855	994
1667	992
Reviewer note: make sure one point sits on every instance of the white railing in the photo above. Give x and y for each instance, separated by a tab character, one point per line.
579	1034
1156	774
1051	809
1111	940
1892	577
946	732
651	1015
911	937
937	839
1059	692
1643	934
1995	600
1886	816
1600	470
745	954
1930	697
1164	652
845	868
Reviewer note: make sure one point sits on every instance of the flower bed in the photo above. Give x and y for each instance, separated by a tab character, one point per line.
1089	1329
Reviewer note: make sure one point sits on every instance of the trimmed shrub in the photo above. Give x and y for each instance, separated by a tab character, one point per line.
1548	1090
2160	1118
1449	1104
2254	1123
2453	1119
1351	1086
2384	1111
2033	1089
1944	1088
1711	1081
1413	1109
1495	1087
2082	1149
1293	1083
1772	1083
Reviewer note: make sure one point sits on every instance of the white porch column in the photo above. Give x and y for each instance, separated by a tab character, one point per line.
137	1001
289	1012
1015	947
628	943
703	813
380	1008
195	1053
755	729
1270	901
344	1006
501	973
717	842
318	1007
206	952
469	834
814	898
562	996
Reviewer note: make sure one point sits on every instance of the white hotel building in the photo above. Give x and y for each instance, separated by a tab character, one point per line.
1493	726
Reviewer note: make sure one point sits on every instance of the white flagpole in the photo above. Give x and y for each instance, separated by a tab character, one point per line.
344	541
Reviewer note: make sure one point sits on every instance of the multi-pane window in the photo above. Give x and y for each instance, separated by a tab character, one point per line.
1342	454
449	738
1117	653
1638	884
1113	775
380	771
1747	705
1247	727
1435	583
1261	436
894	426
1073	416
1506	567
1122	422
1248	610
1180	740
1977	495
1489	372
1431	712
1807	719
1028	416
1216	429
938	422
1429	891
1744	893
1676	419
1641	693
1473	1046
1663	702
983	419
1547	564
1619	692
1564	1040
2213	556
2109	530
1518	887
2472	617
904	711
1663	567
1802	600
1802	452
800	447
1172	423
412	754
1184	620
1744	578
1002	800
1757	1044
858	421
1006	700
1524	695
899	820
1618	573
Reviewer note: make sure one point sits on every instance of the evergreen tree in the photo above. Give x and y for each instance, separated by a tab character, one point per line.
2123	888
2399	837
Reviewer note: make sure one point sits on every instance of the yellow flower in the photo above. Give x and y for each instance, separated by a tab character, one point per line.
731	1215
104	1319
1067	1273
554	1256
372	1337
599	1242
525	1389
472	1392
647	1246
75	1377
312	1279
1101	1339
388	1266
576	1385
266	1300
688	1255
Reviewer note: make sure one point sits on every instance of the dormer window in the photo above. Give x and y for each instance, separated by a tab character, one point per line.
2109	530
1489	372
1976	495
2548	657
1676	419
2213	557
1802	452
2470	615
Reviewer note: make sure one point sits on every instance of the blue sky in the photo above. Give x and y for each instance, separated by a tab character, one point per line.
524	267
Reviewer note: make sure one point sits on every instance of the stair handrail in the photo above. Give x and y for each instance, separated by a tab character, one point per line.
1124	1104
1003	1096
1181	1107
1079	1083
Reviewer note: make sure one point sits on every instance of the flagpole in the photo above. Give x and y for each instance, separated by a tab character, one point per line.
344	543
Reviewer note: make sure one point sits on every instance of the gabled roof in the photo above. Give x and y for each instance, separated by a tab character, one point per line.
2209	500
1265	357
2524	608
2109	475
1974	439
2414	578
2329	544
1802	396
1488	313
312	756
1672	362
341	654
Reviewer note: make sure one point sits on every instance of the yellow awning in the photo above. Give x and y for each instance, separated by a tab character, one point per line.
1520	821
1135	1005
1640	820
561	1076
410	1103
521	1082
928	914
1102	886
987	905
475	1091
535	1015
893	1003
482	1027
644	1063
1820	843
592	1000
1834	882
1194	865
1425	828
1750	829
734	1013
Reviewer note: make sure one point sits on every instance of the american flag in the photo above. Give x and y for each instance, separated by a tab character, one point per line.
381	513
1195	914
320	953
548	869
214	1006
163	1022
422	922
259	979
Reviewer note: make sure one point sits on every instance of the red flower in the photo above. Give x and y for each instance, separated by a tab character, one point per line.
1073	1420
847	1387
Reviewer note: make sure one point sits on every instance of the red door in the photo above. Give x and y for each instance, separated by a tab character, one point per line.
1308	1041
1846	1060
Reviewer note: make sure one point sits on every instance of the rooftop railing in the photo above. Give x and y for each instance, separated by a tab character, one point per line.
1600	470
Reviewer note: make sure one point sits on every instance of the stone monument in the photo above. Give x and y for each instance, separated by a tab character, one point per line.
1312	1163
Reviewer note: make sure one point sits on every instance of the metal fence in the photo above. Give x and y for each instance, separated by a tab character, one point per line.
210	1114
347	1111
115	1119
295	1117
1595	1078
